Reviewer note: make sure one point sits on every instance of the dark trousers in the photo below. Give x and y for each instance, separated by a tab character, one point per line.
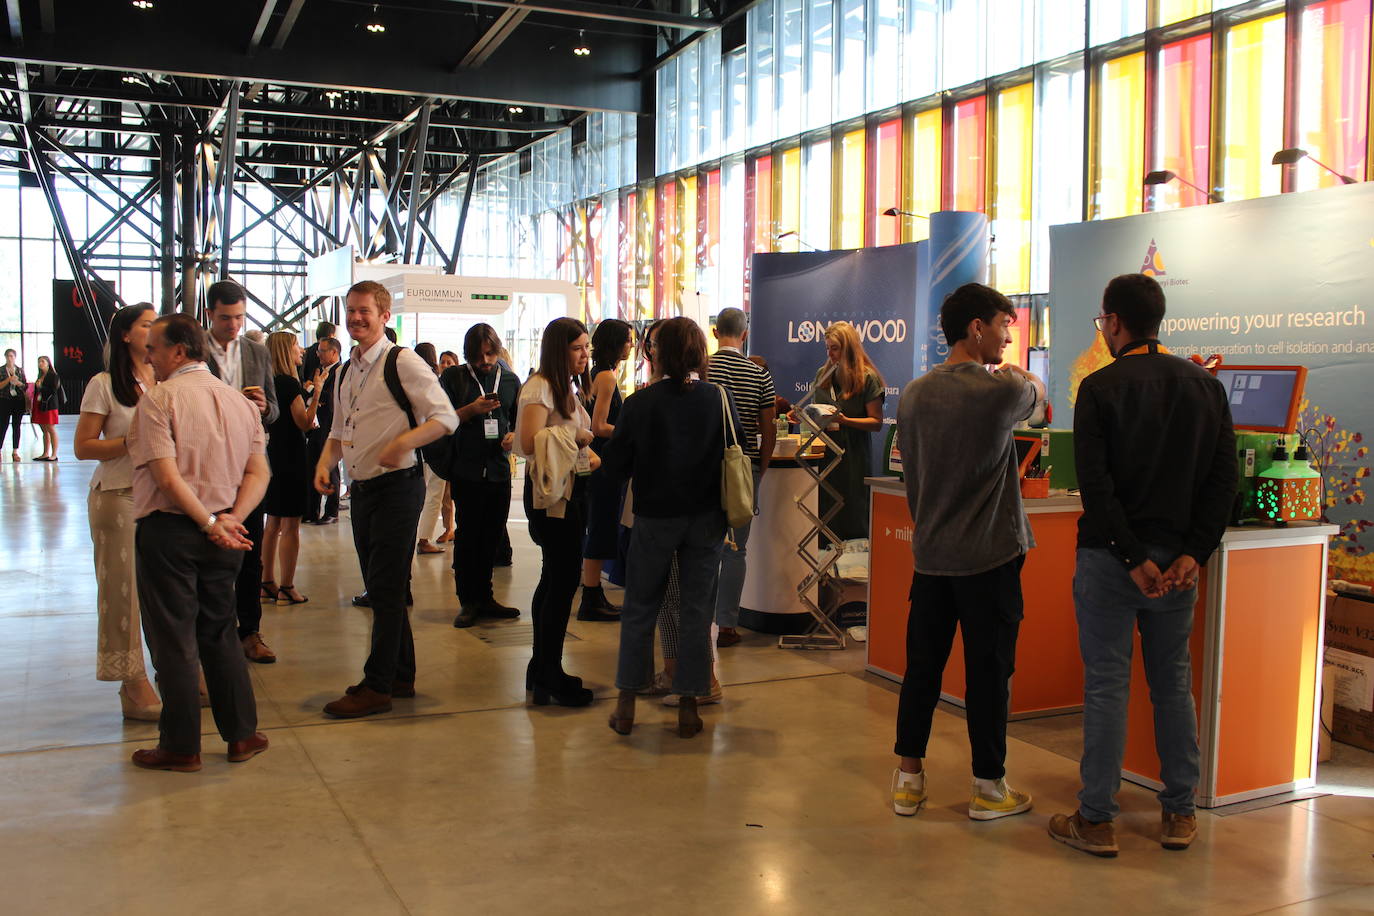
560	548
13	415
987	609
481	509
386	514
186	600
248	587
315	442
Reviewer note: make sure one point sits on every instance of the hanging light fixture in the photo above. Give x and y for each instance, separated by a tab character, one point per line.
143	4
375	24
581	49
516	109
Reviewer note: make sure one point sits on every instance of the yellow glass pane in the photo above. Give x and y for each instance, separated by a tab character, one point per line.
925	172
850	224
1179	10
1252	109
788	198
1120	156
1012	188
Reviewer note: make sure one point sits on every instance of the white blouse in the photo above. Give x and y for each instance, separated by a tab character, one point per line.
113	473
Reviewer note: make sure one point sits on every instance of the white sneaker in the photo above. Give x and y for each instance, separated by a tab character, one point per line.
1005	802
908	792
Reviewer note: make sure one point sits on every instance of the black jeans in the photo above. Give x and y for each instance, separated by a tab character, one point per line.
560	547
386	514
987	608
315	442
481	508
13	415
185	594
247	589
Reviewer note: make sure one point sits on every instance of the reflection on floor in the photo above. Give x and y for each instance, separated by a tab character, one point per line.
466	800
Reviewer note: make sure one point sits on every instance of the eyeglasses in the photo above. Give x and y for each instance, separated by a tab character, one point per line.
1097	322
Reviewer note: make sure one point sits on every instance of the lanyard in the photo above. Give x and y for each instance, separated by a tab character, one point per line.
495	388
1149	343
358	388
193	367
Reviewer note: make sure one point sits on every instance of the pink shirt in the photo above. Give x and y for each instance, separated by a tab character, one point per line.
208	427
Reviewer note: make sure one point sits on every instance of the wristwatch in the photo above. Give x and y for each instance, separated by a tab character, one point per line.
209	523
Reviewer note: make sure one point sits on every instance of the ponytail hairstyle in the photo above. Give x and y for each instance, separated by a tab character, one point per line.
118	360
554	364
608	343
854	365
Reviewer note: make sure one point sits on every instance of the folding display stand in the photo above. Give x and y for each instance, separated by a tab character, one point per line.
824	633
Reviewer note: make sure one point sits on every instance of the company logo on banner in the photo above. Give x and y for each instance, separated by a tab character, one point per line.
1281	280
874	330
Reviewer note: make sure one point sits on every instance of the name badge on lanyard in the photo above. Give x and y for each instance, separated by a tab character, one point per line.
491	427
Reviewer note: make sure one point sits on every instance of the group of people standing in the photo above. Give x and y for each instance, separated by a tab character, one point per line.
41	406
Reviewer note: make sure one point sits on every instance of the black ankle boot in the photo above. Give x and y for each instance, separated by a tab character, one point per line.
594	606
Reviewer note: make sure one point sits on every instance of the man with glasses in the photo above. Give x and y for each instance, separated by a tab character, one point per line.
1155	455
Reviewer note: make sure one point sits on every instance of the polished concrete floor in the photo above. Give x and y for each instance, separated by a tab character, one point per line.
466	800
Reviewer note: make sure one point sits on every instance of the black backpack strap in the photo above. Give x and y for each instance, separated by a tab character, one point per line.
392	376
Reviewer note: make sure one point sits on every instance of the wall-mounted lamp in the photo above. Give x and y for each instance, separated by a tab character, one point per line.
1164	176
897	211
793	234
1291	156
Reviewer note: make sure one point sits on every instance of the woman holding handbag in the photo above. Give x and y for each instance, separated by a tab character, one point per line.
47	395
671	442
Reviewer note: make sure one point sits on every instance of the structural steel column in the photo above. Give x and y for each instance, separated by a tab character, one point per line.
226	171
190	244
168	200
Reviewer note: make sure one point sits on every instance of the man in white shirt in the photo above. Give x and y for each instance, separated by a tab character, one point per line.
376	437
243	365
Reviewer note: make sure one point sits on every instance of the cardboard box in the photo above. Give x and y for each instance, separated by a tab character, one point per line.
1350	652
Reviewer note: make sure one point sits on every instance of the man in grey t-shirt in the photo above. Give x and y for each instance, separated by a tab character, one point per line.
954	428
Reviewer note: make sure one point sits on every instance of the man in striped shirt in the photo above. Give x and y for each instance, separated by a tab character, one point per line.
752	388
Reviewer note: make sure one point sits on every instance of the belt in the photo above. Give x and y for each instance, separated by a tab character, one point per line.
389	477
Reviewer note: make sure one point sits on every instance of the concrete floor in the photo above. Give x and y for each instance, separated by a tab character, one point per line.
466	800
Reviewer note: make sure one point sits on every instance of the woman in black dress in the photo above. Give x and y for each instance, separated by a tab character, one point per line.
610	346
290	463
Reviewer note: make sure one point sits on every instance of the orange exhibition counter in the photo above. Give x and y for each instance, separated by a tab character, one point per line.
1257	643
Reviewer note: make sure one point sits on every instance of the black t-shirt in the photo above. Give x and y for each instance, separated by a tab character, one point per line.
285	440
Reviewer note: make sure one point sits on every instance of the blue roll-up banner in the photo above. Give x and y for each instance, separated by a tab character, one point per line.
958	255
796	296
1284	280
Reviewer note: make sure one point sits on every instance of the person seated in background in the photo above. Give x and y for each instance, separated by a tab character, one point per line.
781	406
971	536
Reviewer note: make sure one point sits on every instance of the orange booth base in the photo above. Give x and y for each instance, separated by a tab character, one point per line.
1049	672
1256	645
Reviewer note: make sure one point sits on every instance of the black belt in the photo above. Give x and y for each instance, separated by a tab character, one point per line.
389	477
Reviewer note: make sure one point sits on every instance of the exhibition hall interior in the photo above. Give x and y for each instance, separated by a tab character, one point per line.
672	433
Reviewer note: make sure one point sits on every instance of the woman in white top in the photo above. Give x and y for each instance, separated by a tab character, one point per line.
549	400
106	410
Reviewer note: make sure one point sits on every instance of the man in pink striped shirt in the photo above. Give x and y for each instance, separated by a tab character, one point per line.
197	449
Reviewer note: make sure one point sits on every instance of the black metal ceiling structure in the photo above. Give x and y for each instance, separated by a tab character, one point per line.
355	116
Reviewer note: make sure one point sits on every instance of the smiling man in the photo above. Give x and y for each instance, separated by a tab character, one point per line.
954	426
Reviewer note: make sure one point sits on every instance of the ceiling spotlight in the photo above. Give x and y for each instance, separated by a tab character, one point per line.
333	94
375	25
134	80
516	109
581	49
143	4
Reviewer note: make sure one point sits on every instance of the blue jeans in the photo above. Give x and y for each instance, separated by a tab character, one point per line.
733	569
1110	608
696	539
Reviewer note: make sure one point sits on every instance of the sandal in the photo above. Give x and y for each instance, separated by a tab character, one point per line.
287	595
268	591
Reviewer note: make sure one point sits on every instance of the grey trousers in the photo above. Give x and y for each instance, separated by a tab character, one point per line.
186	592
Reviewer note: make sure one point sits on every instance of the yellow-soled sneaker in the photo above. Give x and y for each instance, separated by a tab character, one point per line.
908	792
1004	802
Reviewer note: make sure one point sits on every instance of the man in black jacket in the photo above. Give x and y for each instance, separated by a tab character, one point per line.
484	395
1155	453
327	359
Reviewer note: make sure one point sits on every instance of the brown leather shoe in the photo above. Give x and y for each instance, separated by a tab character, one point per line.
727	637
255	650
1094	839
364	702
1177	831
155	758
248	748
400	690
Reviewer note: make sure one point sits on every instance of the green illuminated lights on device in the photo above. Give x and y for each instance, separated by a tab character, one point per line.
1289	490
499	297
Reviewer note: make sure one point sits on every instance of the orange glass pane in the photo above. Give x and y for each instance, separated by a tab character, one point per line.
1333	98
1183	121
887	183
968	148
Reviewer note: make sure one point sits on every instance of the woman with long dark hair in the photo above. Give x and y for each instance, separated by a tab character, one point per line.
290	462
46	396
670	442
610	346
12	398
554	435
107	408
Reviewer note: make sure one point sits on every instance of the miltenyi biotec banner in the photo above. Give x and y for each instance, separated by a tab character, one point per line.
1286	280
